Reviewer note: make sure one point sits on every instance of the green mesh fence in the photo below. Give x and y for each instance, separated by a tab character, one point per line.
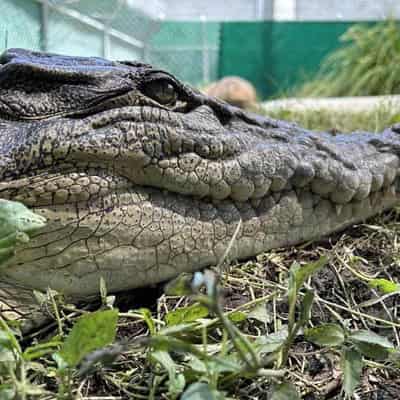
276	56
112	29
190	50
19	24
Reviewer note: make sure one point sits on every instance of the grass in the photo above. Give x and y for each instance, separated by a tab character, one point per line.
224	338
367	63
376	120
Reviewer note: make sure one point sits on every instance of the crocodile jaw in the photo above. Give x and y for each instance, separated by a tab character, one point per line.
136	192
106	222
146	236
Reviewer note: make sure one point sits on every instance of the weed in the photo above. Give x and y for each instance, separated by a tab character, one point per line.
367	64
376	120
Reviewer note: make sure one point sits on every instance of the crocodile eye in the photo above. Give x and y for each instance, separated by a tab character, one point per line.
161	91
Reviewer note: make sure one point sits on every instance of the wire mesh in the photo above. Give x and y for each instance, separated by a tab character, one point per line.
115	29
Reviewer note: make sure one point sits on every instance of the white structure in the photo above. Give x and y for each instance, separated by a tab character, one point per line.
218	10
284	10
342	10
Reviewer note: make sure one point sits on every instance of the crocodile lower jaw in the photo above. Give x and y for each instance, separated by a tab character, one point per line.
139	236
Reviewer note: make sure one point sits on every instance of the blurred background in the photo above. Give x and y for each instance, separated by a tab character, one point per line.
279	46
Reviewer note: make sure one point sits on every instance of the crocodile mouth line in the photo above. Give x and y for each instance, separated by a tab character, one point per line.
66	188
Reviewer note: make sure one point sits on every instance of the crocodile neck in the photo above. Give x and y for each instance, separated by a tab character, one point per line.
141	177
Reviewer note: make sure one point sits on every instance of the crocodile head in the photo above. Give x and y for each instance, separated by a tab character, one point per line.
141	177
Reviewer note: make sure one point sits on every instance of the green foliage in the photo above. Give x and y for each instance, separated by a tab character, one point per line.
15	217
176	380
186	314
16	224
246	357
285	391
352	367
326	335
341	121
384	285
14	367
201	391
90	332
353	345
367	64
297	277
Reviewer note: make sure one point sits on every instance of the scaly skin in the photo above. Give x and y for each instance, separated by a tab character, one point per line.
136	191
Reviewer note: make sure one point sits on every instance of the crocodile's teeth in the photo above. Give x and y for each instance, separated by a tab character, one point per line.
338	208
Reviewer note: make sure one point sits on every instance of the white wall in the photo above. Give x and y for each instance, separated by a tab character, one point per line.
248	10
347	10
218	10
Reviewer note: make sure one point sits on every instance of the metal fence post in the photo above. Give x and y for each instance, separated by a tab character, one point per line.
206	56
44	25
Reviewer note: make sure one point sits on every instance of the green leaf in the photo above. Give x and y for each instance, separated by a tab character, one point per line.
394	119
292	285
61	363
297	276
177	330
15	217
326	335
7	392
6	339
186	314
216	365
373	351
16	222
180	286
260	313
371	338
9	341
371	344
201	391
176	381
271	342
304	272
305	307
237	316
284	391
384	285
148	318
352	368
39	350
91	332
6	355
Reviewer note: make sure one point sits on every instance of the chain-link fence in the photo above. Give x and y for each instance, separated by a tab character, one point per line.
190	50
115	29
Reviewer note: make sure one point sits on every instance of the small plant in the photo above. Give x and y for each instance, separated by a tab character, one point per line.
239	356
353	345
90	333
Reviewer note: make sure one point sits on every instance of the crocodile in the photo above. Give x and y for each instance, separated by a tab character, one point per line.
141	177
